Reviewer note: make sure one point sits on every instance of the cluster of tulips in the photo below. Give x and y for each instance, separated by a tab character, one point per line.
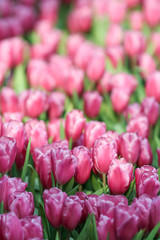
79	119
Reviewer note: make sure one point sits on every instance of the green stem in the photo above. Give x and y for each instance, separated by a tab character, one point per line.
104	179
80	188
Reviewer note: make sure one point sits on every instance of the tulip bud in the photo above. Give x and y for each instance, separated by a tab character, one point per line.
8	150
9	186
90	204
155	213
115	55
56	102
49	11
133	110
72	212
114	35
122	172
153	86
53	202
10	227
126	222
112	136
17	116
155	38
134	43
136	20
151	109
105	228
120	99
3	70
54	129
104	84
92	131
140	125
84	164
21	203
15	129
0	125
147	64
158	154
152	12
147	181
8	100
32	227
92	103
73	43
145	156
116	11
129	147
64	164
74	124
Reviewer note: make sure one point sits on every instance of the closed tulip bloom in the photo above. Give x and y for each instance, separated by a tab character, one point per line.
152	12
136	20
119	177
36	130
104	85
155	213
158	154
111	136
114	35
140	125
129	147
74	124
21	203
73	43
147	181
56	102
105	228
92	131
145	155
53	203
90	204
32	227
153	86
92	103
116	11
115	55
120	99
9	186
8	100
64	164
8	151
147	65
103	154
15	129
155	38
150	108
20	158
71	213
84	164
134	43
126	222
132	111
53	128
18	116
10	227
132	3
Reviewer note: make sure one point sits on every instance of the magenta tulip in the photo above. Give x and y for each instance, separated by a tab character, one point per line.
145	155
92	103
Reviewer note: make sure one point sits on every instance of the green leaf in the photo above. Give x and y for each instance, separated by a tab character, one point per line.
94	227
31	180
84	232
153	232
95	184
20	82
68	186
62	132
73	191
45	223
1	207
74	234
70	143
159	173
139	235
130	188
99	191
24	171
53	181
57	235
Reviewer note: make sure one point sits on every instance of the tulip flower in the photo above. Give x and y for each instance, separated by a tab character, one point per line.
92	131
147	64
21	203
56	102
140	125
1	123
53	202
17	116
155	37
3	70
92	103
73	43
129	147
32	227
105	228
9	186
151	12
90	204
158	154
8	151
74	124
104	84
153	86
119	176
155	213
151	109
116	11
84	164
145	155
136	20
132	111
120	99
115	55
114	35
8	100
53	128
10	227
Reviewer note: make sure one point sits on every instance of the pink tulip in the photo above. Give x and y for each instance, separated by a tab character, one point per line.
8	100
9	186
140	125
152	12
116	11
1	123
115	55
153	86
20	158
73	43
84	164
3	70
145	156
136	20
104	85
92	131
112	136
92	103
120	99
54	128
132	111
114	35
90	204
158	154
105	228
56	102
155	38
151	109
49	11
155	213
147	64
53	202
129	147
74	124
132	3
17	116
122	172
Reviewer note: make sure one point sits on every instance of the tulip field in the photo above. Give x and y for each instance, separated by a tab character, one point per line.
79	119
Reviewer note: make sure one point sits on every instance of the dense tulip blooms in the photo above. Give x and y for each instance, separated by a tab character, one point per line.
84	164
155	212
10	227
140	125
153	86
116	11
90	204
111	136
8	151
18	116
114	35
147	64
15	129
132	111
151	109
103	153
8	100
136	20
53	202
9	186
152	12
36	130
158	154
74	124
104	84
120	99
53	128
92	131
92	103
72	212
119	176
32	227
126	222
21	203
49	11
115	55
134	43
56	103
105	228
64	164
73	43
147	181
129	147
145	156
